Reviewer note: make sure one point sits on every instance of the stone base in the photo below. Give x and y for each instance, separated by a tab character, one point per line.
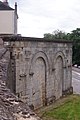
68	91
50	100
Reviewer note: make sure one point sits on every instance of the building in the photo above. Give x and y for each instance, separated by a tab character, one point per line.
8	19
40	70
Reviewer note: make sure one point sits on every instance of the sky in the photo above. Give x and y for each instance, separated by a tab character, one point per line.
37	17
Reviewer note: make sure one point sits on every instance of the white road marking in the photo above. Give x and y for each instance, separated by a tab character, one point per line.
76	72
75	79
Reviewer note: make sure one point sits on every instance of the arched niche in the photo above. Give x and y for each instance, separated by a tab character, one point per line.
59	63
39	71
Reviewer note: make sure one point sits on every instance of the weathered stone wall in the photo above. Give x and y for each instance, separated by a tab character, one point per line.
1	43
40	71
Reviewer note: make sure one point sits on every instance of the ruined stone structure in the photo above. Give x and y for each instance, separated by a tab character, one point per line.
40	70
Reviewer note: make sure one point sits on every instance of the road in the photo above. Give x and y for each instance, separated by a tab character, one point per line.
76	80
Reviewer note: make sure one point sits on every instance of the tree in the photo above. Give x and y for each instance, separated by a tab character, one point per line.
57	34
75	37
48	36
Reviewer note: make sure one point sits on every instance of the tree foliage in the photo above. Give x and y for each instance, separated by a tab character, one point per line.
74	36
57	34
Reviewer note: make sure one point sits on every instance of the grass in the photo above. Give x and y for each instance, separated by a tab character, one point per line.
67	108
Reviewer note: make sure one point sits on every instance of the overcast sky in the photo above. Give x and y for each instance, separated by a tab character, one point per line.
37	17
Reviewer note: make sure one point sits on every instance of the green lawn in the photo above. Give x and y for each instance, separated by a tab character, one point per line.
67	108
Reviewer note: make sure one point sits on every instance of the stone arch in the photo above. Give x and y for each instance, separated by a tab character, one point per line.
59	63
39	72
37	55
61	54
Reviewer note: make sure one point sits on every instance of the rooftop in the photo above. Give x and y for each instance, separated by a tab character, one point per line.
3	6
31	39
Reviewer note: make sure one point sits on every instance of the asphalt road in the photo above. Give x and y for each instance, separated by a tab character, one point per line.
76	80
